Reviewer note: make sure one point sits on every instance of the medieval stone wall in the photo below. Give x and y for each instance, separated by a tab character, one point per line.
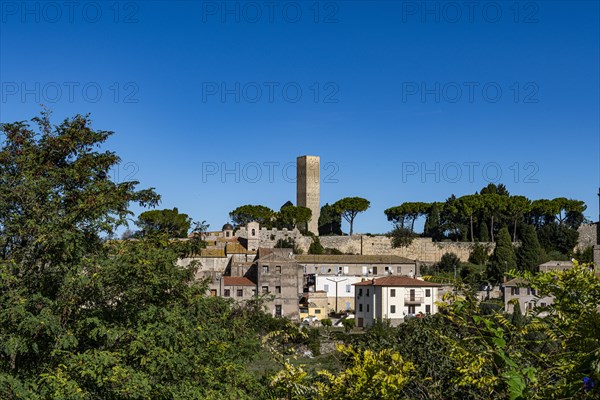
587	236
421	249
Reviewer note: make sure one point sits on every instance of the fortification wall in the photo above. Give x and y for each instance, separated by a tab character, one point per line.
421	249
587	236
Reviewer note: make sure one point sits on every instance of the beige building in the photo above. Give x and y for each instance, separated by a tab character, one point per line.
278	274
393	298
518	291
314	304
238	288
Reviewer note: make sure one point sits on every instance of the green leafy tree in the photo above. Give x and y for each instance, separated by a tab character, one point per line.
87	318
407	214
249	213
484	233
350	207
295	216
330	221
516	209
401	237
479	254
504	258
470	206
316	247
449	262
433	226
169	222
528	255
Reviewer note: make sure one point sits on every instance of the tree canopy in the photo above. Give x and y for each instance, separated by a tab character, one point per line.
250	213
350	207
169	222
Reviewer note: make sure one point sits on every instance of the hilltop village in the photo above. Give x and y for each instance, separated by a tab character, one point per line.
365	277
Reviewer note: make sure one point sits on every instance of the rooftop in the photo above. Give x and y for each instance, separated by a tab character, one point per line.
237	281
351	259
397	281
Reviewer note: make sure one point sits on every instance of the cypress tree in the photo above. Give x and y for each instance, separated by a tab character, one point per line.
528	255
484	232
504	258
432	226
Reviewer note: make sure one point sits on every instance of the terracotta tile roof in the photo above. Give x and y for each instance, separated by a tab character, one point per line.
237	281
351	259
397	281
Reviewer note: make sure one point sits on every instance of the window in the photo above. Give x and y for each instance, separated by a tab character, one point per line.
254	292
348	287
346	270
227	234
360	292
265	269
514	291
365	270
374	270
278	310
265	289
360	307
227	293
253	232
387	269
392	292
367	292
213	292
427	292
412	309
277	289
317	311
323	270
530	305
399	270
347	305
326	288
278	268
543	304
392	309
367	308
240	292
428	309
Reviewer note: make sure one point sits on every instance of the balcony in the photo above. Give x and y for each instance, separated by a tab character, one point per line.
408	299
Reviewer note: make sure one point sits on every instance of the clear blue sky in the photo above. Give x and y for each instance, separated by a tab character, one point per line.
380	90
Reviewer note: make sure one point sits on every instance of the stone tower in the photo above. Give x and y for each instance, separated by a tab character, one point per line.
308	192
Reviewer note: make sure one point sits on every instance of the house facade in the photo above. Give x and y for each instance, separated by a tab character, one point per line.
518	291
337	274
393	298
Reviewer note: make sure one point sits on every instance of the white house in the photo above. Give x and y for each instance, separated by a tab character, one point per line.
340	289
393	298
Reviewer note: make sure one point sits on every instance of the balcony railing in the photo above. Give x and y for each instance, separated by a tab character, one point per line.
408	299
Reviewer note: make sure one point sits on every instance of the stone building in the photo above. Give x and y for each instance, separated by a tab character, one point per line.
278	274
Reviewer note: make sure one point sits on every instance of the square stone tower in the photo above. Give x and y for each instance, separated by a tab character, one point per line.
308	191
